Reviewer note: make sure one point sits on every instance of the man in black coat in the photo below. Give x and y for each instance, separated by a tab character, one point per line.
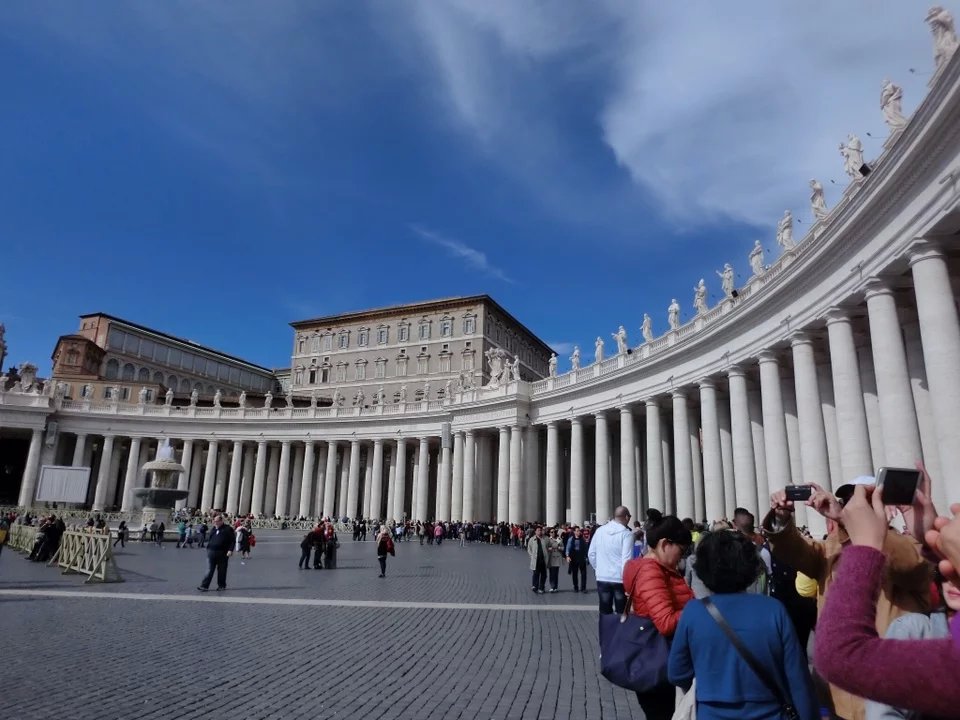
220	544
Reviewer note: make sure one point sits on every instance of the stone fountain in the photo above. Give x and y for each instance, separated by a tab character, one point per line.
161	495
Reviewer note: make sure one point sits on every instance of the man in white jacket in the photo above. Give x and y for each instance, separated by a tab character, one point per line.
611	546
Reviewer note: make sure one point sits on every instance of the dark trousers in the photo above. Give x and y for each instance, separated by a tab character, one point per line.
304	558
318	557
216	561
579	572
382	559
612	597
539	577
554	577
658	704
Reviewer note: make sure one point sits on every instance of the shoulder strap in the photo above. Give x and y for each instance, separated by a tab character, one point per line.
748	657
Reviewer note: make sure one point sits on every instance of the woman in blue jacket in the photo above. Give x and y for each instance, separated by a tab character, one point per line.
726	686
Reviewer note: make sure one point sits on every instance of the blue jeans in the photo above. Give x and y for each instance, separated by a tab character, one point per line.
612	597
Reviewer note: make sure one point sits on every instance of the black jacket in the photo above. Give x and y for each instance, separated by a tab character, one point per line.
221	539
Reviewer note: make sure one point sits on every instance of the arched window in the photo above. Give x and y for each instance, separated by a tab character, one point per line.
113	370
418	395
87	391
129	372
396	398
198	387
298	376
210	390
185	386
172	382
73	357
143	375
158	378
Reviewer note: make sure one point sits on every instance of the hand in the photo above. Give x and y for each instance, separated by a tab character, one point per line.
229	553
944	540
865	518
920	516
825	503
782	508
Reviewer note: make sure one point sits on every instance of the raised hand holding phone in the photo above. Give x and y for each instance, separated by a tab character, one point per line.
865	518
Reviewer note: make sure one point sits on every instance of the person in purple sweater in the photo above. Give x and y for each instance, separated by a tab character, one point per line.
919	675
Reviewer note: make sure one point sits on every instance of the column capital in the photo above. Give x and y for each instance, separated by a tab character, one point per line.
736	371
924	249
626	410
551	424
800	337
600	414
308	442
469	432
877	287
378	441
768	356
260	443
353	442
652	403
576	420
707	384
837	315
283	443
679	394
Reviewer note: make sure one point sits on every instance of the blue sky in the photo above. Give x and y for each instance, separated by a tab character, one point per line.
219	169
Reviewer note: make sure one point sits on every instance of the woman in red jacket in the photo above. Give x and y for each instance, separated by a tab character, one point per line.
658	591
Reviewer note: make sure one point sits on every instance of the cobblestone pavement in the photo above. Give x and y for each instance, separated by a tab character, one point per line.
450	633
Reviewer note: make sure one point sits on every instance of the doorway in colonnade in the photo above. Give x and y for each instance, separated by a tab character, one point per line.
13	460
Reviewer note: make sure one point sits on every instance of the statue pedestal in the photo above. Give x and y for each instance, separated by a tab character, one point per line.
161	515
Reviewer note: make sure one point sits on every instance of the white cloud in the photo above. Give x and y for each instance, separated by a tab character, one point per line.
562	348
716	110
471	256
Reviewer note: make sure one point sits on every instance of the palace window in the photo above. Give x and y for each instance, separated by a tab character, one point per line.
327	344
86	391
312	376
446	327
403	333
418	396
341	372
444	363
363	337
383	335
396	398
343	341
401	366
424	330
380	371
469	325
361	370
468	360
316	343
423	365
298	376
301	346
324	375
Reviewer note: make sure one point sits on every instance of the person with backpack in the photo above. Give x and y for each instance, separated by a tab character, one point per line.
385	546
306	545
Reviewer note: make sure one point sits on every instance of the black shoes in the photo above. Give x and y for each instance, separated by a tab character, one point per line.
201	588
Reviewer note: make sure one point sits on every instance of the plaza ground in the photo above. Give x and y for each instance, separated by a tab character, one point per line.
450	633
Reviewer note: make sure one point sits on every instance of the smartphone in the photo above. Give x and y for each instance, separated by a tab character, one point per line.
899	485
798	493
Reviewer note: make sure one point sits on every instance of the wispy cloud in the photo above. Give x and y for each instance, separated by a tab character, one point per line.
562	348
471	256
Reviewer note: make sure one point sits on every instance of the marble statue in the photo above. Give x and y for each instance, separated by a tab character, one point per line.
756	259
818	204
4	379
426	391
552	365
647	328
194	396
515	369
142	396
217	398
337	398
575	358
168	398
700	297
726	279
379	396
359	398
598	351
891	98
852	152
464	381
944	35
673	315
28	377
313	398
49	387
403	393
499	360
289	398
621	338
448	390
785	231
243	398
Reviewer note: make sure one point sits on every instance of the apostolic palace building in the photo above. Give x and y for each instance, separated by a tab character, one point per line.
837	357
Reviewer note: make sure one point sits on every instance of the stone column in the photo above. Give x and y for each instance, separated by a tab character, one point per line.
196	478
578	489
483	497
712	462
831	432
554	498
469	476
376	489
330	481
901	436
456	495
320	480
854	434
656	491
259	477
423	479
603	486
532	499
399	462
183	482
246	486
391	483
503	476
233	487
129	479
682	462
210	475
283	480
726	457
28	484
693	433
273	479
776	449
103	476
444	480
759	452
306	484
367	483
343	498
813	441
353	486
940	335
296	480
923	403
220	488
78	450
744	471
628	468
516	509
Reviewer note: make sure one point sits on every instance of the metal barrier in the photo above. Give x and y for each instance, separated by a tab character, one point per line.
87	553
22	537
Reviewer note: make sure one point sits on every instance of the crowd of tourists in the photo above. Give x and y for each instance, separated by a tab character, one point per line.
725	614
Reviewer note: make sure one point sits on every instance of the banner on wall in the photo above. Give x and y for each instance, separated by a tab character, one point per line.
63	484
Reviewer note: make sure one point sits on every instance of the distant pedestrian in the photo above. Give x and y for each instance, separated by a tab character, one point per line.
577	560
537	550
161	531
244	534
219	550
306	545
4	531
554	559
121	534
181	533
202	530
438	533
384	547
330	545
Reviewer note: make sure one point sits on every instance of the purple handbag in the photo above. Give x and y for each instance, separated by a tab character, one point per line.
633	654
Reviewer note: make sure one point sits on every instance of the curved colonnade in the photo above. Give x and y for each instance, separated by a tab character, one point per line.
841	357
